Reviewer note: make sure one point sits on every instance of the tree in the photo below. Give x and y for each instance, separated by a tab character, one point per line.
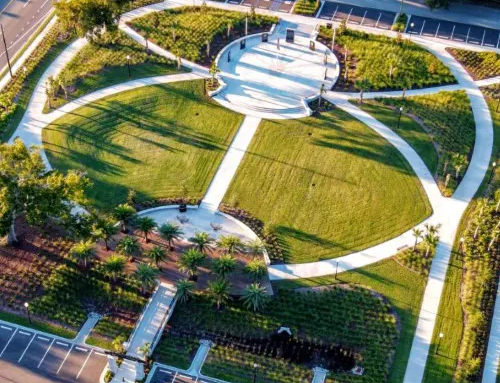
190	261
117	343
157	255
230	243
146	225
174	26
128	246
363	85
63	81
458	160
256	269
417	233
185	290
342	27
83	252
202	240
27	188
224	265
104	229
125	214
256	247
145	349
213	71
218	292
114	266
254	296
170	231
146	275
431	240
322	91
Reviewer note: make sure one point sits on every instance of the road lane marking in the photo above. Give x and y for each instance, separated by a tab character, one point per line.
12	336
62	344
43	338
81	349
86	360
66	357
166	371
7	328
46	352
24	333
25	4
100	353
26	349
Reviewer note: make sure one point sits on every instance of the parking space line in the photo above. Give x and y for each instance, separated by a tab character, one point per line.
175	376
7	345
86	360
422	30
334	13
24	333
467	38
100	353
347	20
66	357
166	371
43	338
7	328
437	30
46	352
379	16
26	349
81	349
498	42
484	34
452	32
363	20
62	344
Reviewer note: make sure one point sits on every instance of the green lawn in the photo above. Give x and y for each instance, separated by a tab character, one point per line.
328	185
38	325
441	367
402	287
479	64
409	130
98	66
372	57
153	139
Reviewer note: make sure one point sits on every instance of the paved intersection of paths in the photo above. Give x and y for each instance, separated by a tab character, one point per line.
31	357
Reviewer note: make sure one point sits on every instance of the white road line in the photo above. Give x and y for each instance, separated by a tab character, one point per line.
25	4
81	349
7	328
175	376
86	360
24	333
46	352
184	376
26	349
62	344
12	336
166	371
100	353
43	338
66	357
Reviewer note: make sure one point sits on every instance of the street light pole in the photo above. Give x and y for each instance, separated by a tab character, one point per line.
400	112
128	66
27	305
439	343
6	51
411	29
255	372
494	165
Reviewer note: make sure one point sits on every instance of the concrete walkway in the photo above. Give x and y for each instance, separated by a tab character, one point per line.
87	328
200	357
491	365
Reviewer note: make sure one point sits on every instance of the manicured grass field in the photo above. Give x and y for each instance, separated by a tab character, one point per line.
402	287
98	66
373	56
327	185
449	120
154	140
479	64
187	30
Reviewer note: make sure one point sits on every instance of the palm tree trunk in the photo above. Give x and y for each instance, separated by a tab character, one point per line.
12	236
427	251
415	245
106	245
146	239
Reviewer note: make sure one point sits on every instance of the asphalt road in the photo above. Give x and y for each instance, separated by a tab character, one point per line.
20	19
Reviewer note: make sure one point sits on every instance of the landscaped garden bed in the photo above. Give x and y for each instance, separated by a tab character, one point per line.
447	117
320	335
386	63
198	33
480	65
103	63
306	7
326	186
156	140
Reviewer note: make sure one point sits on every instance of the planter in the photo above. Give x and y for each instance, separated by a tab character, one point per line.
183	208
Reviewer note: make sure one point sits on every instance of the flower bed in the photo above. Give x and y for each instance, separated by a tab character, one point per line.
176	350
480	65
386	63
186	31
449	121
306	7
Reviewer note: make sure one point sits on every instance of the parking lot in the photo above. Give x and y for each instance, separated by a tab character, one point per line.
448	30
163	374
27	356
284	6
367	17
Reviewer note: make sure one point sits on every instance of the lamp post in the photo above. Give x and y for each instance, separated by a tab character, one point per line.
400	112
441	335
462	239
494	165
27	305
128	66
411	29
333	38
6	50
255	372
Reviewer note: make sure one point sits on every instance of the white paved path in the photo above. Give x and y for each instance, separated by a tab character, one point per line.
199	358
491	366
87	328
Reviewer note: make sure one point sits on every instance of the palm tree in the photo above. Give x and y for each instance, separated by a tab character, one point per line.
458	160
224	265
185	290
157	255
190	261
145	349
363	85
104	229
230	243
431	240
83	251
117	343
170	232
146	225
255	246
254	296
114	266
256	269
417	233
218	292
146	275
128	246
202	240
432	229
125	214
